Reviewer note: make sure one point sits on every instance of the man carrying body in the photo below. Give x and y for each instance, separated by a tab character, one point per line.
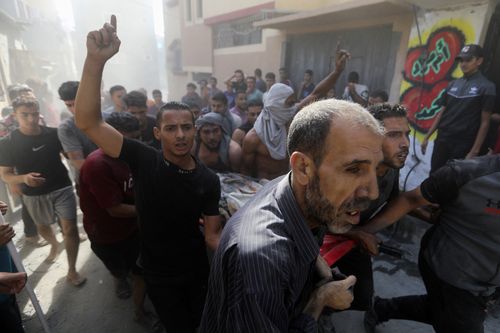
172	191
354	91
34	152
458	258
395	149
464	121
214	147
109	213
75	143
253	111
264	147
263	273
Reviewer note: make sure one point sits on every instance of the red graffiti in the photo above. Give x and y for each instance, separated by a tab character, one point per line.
422	116
429	68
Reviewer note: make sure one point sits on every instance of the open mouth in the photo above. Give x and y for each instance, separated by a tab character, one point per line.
402	155
353	213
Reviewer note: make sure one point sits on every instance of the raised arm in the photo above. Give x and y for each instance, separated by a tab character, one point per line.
328	82
101	46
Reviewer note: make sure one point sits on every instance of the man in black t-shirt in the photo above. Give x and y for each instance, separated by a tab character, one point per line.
30	156
464	121
172	192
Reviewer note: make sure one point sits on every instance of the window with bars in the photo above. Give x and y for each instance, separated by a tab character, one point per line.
238	32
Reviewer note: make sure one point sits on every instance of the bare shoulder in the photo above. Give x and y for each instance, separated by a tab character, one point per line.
251	140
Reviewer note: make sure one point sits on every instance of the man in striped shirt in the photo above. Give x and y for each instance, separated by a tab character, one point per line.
266	274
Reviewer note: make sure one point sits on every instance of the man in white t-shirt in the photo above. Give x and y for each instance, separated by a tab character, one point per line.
355	92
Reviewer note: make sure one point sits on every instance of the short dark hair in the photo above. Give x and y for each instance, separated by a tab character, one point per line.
156	92
172	106
135	98
255	102
16	90
239	71
309	71
386	110
27	101
239	91
67	91
311	126
252	78
270	75
213	78
379	93
123	122
191	85
203	80
353	77
116	88
220	97
257	72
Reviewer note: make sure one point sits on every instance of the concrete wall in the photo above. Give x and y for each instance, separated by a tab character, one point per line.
266	56
443	34
220	7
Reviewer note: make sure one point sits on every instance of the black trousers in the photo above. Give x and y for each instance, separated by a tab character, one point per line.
178	300
10	316
445	150
119	258
447	308
359	264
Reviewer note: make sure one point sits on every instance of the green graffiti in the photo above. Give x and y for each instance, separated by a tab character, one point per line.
429	113
436	58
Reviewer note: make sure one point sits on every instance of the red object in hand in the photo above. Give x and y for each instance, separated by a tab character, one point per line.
335	247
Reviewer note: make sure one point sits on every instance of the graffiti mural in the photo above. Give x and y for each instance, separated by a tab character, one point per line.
429	69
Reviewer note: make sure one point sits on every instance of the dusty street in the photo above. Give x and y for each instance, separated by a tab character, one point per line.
95	308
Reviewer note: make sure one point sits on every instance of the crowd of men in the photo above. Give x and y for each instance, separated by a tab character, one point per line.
145	177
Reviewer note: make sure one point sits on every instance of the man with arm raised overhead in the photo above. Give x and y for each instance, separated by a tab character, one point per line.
173	190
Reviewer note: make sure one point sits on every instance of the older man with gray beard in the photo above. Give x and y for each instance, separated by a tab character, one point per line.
266	275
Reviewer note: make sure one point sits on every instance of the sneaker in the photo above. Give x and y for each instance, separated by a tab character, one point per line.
370	319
